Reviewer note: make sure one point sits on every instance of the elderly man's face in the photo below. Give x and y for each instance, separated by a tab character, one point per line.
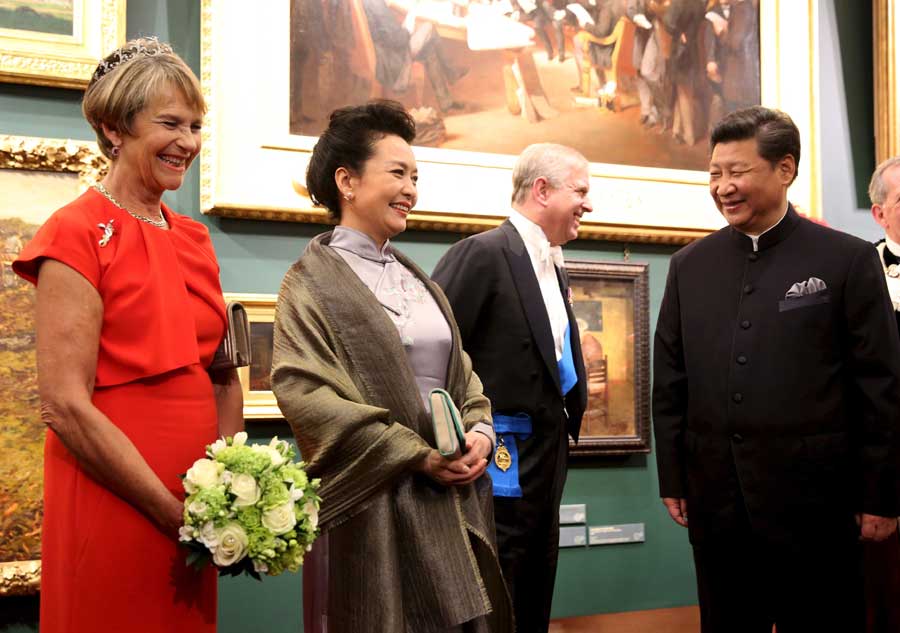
748	190
566	205
887	214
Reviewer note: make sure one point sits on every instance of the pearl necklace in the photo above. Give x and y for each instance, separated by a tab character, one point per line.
161	223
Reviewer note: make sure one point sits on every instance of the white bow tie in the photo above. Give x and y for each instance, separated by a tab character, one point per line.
550	254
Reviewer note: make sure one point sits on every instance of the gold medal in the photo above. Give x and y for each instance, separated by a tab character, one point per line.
502	458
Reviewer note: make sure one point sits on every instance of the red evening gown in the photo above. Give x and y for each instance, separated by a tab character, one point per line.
105	567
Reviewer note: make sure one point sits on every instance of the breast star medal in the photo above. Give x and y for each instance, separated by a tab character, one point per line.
502	458
108	231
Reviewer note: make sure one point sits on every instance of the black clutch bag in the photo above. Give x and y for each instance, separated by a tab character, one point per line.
234	350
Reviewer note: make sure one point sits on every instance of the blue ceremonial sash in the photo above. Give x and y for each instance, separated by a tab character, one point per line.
508	429
567	374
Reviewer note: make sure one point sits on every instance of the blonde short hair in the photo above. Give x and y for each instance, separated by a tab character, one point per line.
543	160
129	79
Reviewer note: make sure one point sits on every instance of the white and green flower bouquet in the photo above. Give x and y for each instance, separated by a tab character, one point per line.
249	508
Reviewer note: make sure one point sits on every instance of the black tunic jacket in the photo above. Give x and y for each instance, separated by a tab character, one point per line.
783	411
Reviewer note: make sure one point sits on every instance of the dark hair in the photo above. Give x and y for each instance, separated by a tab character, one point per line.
776	134
349	142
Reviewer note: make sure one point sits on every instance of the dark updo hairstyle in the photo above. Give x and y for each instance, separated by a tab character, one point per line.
349	142
775	132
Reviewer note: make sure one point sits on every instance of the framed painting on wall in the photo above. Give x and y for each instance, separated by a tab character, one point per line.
319	55
259	401
886	59
612	309
57	42
37	176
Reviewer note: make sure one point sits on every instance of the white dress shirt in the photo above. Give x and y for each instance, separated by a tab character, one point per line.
756	237
544	259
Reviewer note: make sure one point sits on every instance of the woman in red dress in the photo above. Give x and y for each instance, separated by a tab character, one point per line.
129	314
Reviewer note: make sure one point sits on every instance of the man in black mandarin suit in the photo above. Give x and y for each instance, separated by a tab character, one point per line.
504	317
776	398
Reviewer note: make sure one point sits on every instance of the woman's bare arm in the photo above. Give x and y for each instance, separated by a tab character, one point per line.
69	317
229	401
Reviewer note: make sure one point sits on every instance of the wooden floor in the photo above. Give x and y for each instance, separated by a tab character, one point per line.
679	620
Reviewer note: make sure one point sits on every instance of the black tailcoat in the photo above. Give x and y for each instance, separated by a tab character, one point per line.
497	302
783	412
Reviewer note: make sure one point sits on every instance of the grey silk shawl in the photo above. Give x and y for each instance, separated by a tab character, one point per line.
407	554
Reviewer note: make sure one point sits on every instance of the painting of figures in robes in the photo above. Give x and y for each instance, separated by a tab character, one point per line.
630	82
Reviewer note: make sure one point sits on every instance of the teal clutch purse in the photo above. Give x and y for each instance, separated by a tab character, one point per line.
448	431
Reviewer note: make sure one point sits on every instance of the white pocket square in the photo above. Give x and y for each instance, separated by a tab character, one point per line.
804	288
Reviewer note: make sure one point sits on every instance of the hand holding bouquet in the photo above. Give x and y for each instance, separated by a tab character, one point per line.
249	508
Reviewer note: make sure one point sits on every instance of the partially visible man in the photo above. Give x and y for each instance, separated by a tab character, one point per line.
882	560
776	397
509	293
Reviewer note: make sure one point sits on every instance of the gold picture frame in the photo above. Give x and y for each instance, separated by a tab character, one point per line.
63	60
611	302
259	401
252	168
885	39
58	156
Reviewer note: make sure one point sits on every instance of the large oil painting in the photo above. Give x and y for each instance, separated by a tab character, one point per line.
37	177
480	82
611	306
638	87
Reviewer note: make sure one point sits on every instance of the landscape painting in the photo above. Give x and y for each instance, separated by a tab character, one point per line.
29	197
55	17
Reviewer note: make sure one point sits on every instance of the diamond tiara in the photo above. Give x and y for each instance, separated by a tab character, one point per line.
144	47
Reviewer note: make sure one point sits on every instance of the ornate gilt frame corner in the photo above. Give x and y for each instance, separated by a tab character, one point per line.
58	155
53	154
885	38
63	61
20	578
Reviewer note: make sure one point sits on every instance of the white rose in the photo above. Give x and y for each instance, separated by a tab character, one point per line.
197	508
217	446
209	536
239	439
313	513
246	490
203	474
281	519
185	534
232	545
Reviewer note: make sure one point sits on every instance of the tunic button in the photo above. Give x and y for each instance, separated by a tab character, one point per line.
752	257
742	360
748	289
738	438
745	324
738	397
